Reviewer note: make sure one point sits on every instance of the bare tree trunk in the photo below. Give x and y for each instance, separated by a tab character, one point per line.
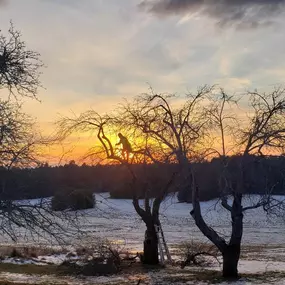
230	251
185	193
231	254
150	246
150	218
230	261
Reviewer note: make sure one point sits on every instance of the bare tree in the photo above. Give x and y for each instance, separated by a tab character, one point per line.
174	127
140	185
19	66
17	137
261	133
21	143
165	129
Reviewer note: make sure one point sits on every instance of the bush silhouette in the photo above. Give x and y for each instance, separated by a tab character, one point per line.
72	199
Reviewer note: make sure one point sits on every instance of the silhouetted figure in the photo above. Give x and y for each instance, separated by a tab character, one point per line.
126	146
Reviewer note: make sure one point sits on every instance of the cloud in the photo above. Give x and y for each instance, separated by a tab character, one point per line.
3	2
242	13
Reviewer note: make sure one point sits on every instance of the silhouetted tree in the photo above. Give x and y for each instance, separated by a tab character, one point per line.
140	185
19	66
250	139
20	142
173	126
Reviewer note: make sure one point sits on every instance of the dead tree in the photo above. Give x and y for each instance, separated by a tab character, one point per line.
262	133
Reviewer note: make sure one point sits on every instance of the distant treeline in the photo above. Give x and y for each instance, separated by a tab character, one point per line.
258	175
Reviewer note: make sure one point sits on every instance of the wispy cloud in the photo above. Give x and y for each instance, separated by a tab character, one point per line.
242	13
98	52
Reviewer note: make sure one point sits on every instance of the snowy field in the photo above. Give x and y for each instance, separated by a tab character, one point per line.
117	221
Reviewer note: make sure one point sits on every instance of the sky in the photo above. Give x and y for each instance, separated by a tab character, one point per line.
97	52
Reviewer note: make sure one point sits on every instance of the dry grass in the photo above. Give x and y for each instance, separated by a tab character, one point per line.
28	251
136	271
264	252
168	275
31	269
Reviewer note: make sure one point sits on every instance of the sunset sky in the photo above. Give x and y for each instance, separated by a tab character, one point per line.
100	51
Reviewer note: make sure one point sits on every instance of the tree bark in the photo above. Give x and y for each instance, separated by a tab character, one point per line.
150	245
150	250
231	254
230	261
150	216
185	179
231	251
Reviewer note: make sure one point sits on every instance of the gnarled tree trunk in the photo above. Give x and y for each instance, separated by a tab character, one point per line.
150	246
150	218
230	261
230	251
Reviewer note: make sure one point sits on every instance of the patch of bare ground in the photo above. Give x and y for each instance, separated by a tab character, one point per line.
32	269
264	252
138	274
205	276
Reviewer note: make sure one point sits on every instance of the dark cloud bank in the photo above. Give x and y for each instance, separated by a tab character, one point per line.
244	13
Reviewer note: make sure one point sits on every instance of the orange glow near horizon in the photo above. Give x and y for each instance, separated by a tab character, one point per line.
78	147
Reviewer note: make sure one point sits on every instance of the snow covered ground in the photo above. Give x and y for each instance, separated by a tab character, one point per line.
117	221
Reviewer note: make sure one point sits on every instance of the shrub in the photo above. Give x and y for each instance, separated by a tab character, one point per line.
198	254
97	257
73	199
59	202
16	253
81	199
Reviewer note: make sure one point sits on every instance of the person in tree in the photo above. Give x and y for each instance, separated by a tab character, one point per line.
126	146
